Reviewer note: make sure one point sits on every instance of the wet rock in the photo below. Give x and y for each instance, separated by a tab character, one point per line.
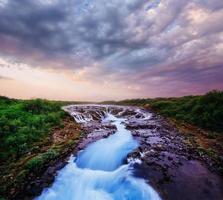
164	155
140	125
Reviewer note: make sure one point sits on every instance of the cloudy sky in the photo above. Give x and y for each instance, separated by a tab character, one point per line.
116	49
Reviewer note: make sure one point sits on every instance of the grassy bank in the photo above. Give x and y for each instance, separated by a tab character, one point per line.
203	111
199	118
33	134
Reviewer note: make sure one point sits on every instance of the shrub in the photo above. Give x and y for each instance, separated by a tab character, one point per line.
22	123
204	111
37	163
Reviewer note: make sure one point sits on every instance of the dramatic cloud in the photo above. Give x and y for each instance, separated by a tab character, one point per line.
154	48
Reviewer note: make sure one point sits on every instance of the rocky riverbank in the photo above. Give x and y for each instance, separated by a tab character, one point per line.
167	160
170	164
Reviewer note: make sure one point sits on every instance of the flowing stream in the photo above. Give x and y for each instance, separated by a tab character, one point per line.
98	172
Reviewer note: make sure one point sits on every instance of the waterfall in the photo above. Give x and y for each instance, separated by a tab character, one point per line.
98	172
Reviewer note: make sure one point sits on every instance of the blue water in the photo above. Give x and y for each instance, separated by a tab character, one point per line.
98	172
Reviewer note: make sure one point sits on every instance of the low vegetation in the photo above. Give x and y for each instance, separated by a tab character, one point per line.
203	111
23	123
27	145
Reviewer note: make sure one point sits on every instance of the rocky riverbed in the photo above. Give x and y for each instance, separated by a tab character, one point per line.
170	165
167	162
163	157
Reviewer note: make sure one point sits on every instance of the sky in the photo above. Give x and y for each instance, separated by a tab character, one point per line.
94	50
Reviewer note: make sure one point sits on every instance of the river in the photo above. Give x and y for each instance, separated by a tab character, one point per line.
98	172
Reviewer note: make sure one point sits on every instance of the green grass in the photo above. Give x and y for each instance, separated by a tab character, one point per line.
23	123
26	145
204	111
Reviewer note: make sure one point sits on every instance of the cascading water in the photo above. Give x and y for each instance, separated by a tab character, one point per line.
98	173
